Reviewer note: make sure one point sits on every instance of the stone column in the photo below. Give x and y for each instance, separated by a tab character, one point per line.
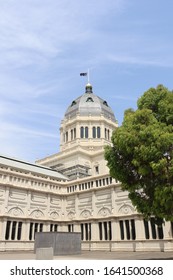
33	231
46	227
25	231
3	224
167	231
168	235
102	132
84	233
10	230
94	231
7	190
48	206
140	234
113	197
113	229
94	235
76	205
140	230
28	203
116	230
77	130
77	228
94	209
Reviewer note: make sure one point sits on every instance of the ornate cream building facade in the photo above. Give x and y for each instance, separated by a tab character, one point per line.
72	190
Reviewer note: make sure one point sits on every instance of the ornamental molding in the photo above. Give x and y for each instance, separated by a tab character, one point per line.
71	215
104	212
16	211
85	213
37	214
126	209
54	215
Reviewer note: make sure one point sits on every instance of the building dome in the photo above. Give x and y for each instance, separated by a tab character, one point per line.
89	104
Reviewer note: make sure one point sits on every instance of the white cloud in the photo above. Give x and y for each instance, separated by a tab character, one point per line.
137	60
44	44
45	26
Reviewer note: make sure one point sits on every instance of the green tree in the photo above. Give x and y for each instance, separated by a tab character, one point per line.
141	156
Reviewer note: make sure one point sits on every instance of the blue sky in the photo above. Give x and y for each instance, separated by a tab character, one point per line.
45	44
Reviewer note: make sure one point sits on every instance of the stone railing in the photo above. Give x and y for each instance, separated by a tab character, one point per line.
33	182
85	184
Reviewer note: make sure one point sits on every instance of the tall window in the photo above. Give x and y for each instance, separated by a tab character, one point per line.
81	132
108	134
105	230
110	230
70	227
100	231
97	169
153	228
98	132
86	132
74	133
153	231
105	133
66	136
7	234
133	230
19	233
35	227
82	231
94	132
127	229
147	234
71	134
121	230
30	231
86	231
13	230
41	227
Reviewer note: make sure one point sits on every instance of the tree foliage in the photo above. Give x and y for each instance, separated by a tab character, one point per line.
141	156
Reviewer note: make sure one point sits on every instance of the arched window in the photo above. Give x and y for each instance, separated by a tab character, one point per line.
74	133
108	134
105	133
71	134
81	132
94	132
98	132
66	136
86	132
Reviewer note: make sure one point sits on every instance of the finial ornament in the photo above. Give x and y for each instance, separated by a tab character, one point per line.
88	75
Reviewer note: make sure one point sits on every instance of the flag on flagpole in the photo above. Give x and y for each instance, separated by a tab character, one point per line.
83	74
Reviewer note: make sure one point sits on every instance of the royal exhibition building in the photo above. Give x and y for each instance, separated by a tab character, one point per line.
72	191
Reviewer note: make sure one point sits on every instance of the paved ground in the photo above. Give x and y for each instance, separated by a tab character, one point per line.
94	255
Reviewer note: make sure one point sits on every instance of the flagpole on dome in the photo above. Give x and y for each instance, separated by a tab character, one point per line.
88	75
